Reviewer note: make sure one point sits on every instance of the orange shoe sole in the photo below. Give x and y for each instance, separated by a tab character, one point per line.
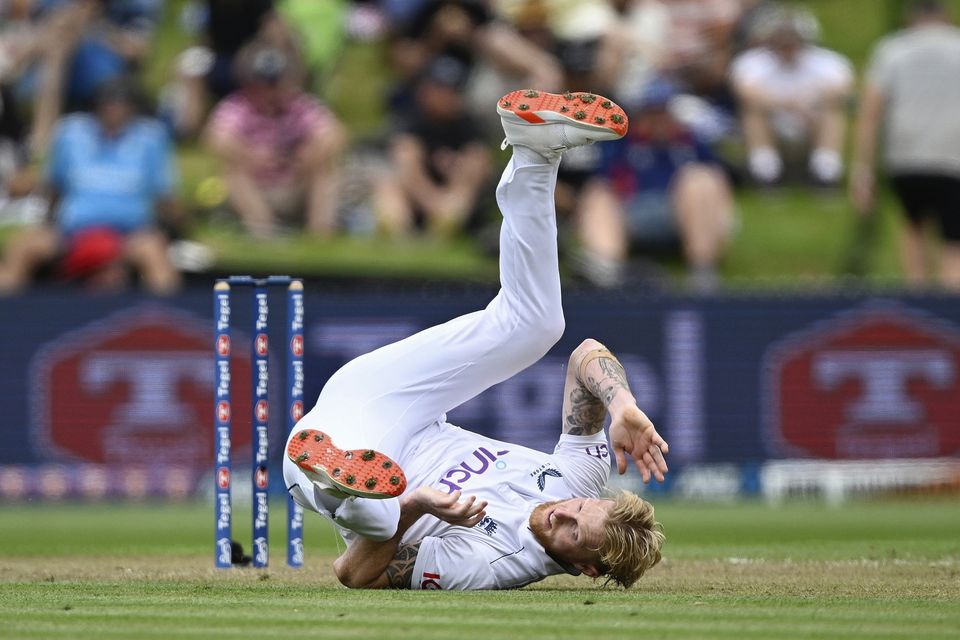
586	110
361	472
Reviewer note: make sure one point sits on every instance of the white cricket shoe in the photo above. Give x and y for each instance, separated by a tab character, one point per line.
551	123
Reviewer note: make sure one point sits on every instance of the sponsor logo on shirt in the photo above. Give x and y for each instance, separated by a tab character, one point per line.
542	472
454	479
430	581
487	525
599	451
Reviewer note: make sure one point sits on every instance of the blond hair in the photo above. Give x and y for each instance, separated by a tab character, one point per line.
631	539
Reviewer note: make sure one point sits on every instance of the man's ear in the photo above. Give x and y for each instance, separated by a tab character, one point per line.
589	570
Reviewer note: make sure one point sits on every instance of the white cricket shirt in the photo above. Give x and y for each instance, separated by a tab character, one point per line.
500	552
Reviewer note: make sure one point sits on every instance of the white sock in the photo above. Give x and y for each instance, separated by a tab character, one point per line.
826	165
765	164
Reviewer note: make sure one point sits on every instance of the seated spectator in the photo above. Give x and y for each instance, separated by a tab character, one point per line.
792	94
278	147
205	72
657	186
109	174
439	160
491	49
85	43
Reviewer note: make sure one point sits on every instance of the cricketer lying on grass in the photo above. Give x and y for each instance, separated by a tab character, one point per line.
529	514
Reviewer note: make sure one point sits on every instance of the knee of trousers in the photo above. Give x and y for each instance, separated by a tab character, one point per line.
373	519
538	333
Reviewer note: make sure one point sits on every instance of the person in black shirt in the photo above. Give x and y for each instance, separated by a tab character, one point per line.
439	162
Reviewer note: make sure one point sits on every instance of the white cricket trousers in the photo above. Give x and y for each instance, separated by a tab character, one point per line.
383	399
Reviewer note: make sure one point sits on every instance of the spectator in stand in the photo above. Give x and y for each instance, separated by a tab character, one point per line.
111	178
19	44
697	46
792	95
912	93
468	31
85	43
278	147
658	186
438	156
206	72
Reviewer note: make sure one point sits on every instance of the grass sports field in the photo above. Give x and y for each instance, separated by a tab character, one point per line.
876	569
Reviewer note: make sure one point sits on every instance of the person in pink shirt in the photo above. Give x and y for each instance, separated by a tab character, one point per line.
277	145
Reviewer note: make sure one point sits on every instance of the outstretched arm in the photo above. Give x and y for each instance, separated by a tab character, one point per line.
368	564
597	384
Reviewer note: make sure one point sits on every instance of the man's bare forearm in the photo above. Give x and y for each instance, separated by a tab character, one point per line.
368	564
597	383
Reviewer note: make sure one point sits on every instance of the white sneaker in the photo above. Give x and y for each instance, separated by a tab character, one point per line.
551	123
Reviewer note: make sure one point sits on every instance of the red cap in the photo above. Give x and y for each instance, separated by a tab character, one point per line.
90	250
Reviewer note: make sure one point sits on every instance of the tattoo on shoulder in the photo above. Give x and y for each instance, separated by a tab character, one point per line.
400	570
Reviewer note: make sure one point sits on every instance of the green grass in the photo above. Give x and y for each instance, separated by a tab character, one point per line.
867	570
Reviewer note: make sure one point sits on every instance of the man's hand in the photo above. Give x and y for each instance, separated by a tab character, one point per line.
445	506
632	434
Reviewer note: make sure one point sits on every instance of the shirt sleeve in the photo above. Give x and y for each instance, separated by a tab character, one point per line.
585	463
228	117
880	67
452	563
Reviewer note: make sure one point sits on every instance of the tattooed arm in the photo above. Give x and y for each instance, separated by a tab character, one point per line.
597	383
388	564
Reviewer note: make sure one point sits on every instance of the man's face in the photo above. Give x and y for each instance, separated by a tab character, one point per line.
786	45
438	101
115	113
269	98
572	529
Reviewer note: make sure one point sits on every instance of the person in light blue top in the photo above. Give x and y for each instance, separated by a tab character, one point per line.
110	174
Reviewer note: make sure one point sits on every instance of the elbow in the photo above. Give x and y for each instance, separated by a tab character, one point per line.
578	354
346	575
349	576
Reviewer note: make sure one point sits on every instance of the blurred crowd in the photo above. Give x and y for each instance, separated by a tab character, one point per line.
722	95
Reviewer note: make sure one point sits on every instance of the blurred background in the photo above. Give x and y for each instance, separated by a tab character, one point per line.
773	251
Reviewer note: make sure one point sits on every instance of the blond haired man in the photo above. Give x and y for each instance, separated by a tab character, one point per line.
529	514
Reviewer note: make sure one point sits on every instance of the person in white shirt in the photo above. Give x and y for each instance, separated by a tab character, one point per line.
792	93
529	514
911	97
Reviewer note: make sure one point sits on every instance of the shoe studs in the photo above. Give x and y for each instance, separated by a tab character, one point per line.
568	96
387	464
617	118
303	435
348	455
351	479
371	483
302	457
531	94
564	109
606	104
599	119
506	104
368	455
523	107
580	115
318	437
394	480
587	98
337	472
